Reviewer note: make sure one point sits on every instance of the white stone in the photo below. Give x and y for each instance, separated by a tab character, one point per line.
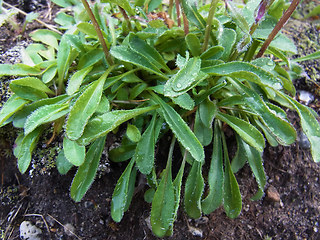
28	231
305	97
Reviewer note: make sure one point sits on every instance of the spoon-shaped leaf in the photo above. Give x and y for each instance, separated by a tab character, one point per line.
120	194
87	171
310	126
74	152
193	191
12	105
232	201
246	130
45	114
181	130
84	107
25	149
144	154
215	177
163	203
105	123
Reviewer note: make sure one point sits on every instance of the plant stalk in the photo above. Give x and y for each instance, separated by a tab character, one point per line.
212	11
123	12
170	9
278	27
178	12
99	32
185	23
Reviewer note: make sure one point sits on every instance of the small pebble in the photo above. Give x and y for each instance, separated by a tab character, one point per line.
305	97
195	231
303	140
69	229
272	194
28	231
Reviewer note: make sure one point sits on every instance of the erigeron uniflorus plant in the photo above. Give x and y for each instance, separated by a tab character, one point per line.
185	68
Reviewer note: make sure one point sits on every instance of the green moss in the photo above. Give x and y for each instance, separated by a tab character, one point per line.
9	195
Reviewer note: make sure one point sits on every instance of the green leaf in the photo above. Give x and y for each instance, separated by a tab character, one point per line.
310	126
87	171
126	54
120	194
21	116
84	107
144	154
314	12
131	188
184	101
193	44
232	201
90	58
104	105
181	130
45	36
246	130
240	158
244	70
212	53
74	152
141	47
11	106
253	157
137	90
163	204
207	111
312	56
123	4
63	165
88	29
124	152
133	133
193	191
76	80
31	16
49	74
187	77
190	9
177	185
282	130
26	147
31	82
202	132
227	41
45	114
238	17
18	69
105	123
63	59
215	177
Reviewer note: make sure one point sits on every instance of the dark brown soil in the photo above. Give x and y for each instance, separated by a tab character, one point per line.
42	195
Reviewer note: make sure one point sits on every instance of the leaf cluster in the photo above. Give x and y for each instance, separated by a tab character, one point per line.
155	77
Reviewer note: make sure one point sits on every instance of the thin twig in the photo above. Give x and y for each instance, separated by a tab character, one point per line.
98	30
39	21
278	27
64	227
11	221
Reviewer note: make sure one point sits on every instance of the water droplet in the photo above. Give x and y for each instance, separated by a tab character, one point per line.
178	85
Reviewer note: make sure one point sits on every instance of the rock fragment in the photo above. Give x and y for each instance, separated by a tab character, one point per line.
272	194
28	231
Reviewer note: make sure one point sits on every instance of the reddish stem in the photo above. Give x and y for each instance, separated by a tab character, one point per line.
278	27
178	13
